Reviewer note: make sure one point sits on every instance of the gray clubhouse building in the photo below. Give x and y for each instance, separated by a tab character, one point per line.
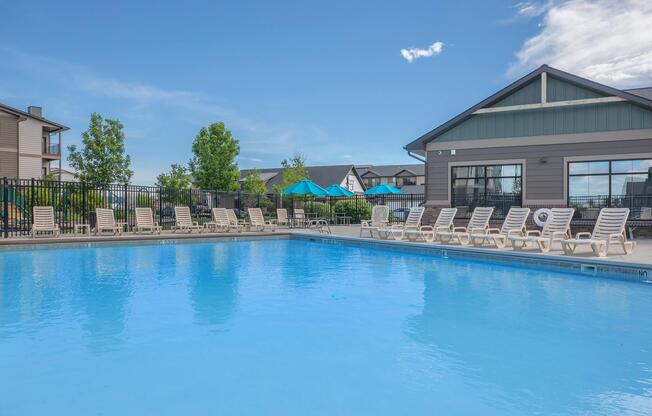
549	139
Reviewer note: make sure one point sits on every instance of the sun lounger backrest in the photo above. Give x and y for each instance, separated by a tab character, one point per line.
282	215
144	217
558	221
43	218
480	218
299	213
379	215
610	221
445	217
414	217
256	216
220	217
105	218
515	220
182	216
233	219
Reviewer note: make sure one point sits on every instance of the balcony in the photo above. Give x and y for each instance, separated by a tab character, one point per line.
51	150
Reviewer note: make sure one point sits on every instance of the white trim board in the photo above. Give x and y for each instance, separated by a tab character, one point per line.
550	104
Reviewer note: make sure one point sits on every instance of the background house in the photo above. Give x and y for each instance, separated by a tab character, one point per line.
549	139
344	175
29	143
409	178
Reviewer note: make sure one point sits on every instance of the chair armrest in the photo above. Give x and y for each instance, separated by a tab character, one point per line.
514	232
559	234
617	237
492	230
429	228
459	229
583	234
530	233
364	223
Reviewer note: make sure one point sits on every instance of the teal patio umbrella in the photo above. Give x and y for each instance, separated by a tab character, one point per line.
305	187
383	189
337	190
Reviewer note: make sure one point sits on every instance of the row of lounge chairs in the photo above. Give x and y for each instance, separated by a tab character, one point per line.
222	220
609	230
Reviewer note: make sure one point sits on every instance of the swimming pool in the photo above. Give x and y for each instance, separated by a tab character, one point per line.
293	327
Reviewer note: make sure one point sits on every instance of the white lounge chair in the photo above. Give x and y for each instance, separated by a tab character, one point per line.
444	222
105	222
514	224
609	229
299	218
234	222
145	222
282	217
219	220
257	220
379	219
397	231
478	224
556	228
184	222
43	222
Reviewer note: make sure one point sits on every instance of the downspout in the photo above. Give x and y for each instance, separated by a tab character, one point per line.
20	119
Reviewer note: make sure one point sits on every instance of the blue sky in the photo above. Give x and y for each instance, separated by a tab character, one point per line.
326	79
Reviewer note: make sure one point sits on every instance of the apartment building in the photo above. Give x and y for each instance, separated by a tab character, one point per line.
30	145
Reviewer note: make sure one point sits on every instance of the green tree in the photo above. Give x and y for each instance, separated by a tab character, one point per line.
255	191
294	170
253	184
213	165
102	159
177	178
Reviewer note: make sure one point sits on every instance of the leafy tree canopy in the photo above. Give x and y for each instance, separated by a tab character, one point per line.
102	158
294	170
177	178
213	165
253	184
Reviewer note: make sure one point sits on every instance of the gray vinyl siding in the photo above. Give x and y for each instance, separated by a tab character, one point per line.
528	94
8	164
9	133
559	90
9	144
551	121
544	164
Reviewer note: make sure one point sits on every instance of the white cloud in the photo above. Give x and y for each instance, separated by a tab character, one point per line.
250	159
529	9
608	41
415	53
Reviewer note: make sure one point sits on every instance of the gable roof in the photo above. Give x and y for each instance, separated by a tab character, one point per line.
321	175
20	113
418	145
417	169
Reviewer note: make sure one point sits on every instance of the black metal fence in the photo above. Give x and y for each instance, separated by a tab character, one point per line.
588	207
75	203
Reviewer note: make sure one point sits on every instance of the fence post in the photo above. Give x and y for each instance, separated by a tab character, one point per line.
160	206
126	210
5	206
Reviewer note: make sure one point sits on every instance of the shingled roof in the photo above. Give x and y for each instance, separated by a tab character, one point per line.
321	175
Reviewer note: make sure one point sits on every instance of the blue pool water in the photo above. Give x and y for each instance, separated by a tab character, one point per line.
294	327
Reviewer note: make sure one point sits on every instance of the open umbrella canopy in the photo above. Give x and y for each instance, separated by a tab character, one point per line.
383	189
337	190
305	187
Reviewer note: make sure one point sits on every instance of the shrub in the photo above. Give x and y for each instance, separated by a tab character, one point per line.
321	209
357	209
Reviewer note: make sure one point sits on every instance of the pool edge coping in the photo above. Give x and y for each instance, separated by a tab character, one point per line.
595	267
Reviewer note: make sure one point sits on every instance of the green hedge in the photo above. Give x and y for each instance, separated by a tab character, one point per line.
357	209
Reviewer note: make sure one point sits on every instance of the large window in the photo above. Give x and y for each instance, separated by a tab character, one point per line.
483	184
609	182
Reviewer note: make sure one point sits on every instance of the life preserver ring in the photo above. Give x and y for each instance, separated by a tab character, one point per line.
541	215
